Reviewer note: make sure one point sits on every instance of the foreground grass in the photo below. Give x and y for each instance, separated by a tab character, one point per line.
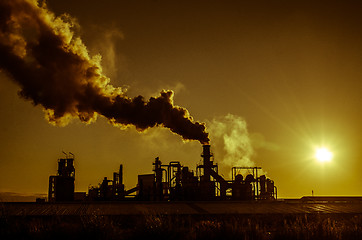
150	226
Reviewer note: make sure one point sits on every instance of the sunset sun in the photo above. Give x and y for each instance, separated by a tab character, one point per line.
323	155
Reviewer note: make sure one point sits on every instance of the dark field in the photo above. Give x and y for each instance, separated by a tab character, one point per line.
157	224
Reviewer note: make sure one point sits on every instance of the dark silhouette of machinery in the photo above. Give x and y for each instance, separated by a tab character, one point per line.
109	190
61	186
173	182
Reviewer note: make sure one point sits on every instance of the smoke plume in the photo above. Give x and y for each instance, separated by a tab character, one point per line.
42	54
231	142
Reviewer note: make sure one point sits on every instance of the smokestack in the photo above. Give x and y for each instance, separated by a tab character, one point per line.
42	54
120	174
206	155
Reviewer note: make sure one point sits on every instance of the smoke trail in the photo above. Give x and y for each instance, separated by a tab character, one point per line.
231	142
52	65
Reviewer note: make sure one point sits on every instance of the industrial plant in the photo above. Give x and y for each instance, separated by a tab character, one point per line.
168	182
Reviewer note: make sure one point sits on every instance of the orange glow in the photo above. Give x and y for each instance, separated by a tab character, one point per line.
289	70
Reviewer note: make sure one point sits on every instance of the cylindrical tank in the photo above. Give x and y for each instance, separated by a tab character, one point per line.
239	178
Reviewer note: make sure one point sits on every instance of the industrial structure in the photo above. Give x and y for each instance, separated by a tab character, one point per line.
61	186
170	182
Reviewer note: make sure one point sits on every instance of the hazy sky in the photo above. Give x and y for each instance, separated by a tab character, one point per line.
290	70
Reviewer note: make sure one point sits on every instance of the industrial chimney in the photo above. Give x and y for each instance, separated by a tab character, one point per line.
206	155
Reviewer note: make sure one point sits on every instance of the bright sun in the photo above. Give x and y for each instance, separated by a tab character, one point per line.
323	155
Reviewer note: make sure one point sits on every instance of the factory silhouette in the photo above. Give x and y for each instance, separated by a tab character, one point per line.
170	182
67	82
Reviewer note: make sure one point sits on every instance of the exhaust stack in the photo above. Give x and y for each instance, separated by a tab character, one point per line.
206	155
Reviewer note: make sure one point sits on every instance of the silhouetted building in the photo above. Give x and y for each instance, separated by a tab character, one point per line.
61	186
108	190
168	182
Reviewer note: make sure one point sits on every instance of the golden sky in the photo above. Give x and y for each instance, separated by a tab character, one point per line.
273	79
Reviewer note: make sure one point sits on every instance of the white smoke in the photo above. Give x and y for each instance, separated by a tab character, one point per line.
105	45
230	141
